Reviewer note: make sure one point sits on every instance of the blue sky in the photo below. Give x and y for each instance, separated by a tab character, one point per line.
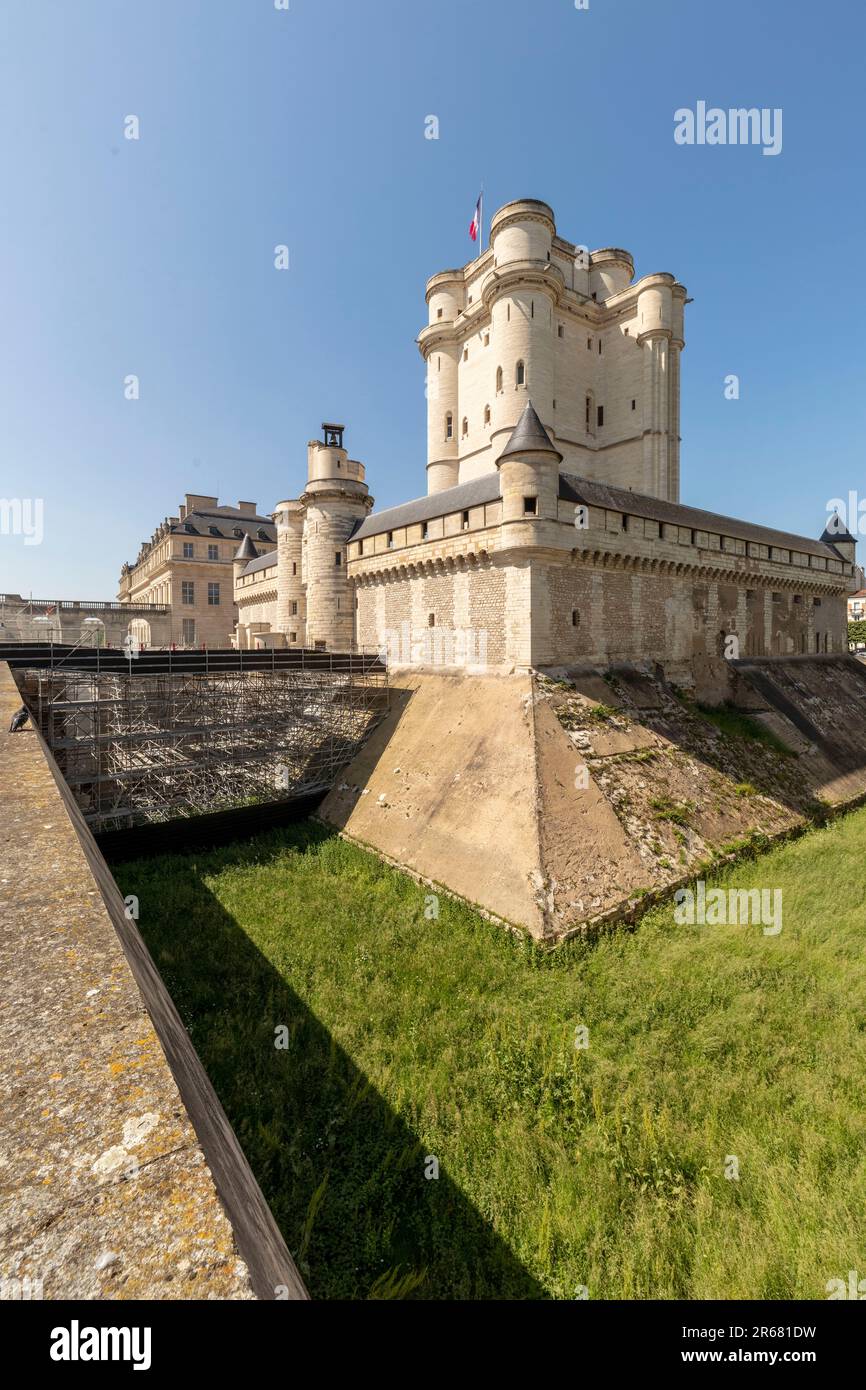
261	127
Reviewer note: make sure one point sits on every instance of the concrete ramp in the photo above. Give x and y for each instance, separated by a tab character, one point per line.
446	787
564	801
472	783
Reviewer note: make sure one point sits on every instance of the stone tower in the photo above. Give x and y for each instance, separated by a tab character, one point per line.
335	501
291	598
598	352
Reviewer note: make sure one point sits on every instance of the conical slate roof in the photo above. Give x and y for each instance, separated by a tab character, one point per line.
529	435
246	550
836	530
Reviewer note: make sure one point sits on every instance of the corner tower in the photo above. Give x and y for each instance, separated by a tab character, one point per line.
335	502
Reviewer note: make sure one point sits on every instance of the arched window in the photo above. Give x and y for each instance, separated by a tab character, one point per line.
520	374
498	379
449	426
464	429
487	415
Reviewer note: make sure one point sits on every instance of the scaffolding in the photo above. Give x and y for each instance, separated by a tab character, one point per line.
141	748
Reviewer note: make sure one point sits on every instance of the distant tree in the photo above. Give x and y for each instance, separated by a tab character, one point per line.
857	631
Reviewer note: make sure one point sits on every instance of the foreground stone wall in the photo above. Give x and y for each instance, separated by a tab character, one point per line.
121	1177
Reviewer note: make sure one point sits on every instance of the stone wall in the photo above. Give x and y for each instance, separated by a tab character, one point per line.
122	1178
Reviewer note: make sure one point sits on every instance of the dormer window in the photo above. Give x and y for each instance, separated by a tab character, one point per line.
262	534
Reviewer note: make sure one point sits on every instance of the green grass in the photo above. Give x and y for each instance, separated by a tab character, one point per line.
736	724
560	1166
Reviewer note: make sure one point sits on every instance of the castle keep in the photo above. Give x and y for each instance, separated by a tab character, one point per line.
551	531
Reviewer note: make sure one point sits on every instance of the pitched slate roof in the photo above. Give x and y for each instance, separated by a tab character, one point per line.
836	530
262	562
452	499
205	522
593	494
617	499
246	550
529	434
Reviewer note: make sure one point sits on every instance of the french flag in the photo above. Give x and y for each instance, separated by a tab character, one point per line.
475	224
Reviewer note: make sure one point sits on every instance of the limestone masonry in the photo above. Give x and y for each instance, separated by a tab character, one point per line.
551	532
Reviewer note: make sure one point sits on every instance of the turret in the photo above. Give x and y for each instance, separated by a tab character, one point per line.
336	500
836	533
528	478
245	552
291	602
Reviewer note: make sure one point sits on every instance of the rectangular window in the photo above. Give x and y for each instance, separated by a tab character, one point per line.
360	547
187	591
213	594
319	646
530	506
465	521
600	416
293	637
390	540
634	405
560	331
425	530
187	550
188	630
338	557
294	608
213	552
294	567
599	347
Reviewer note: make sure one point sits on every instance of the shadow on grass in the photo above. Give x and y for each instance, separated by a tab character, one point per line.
343	1174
